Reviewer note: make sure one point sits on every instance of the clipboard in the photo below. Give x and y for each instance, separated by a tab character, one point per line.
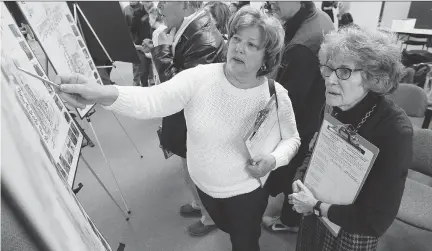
340	163
265	134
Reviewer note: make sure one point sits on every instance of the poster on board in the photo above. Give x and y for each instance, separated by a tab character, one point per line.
57	130
55	29
31	179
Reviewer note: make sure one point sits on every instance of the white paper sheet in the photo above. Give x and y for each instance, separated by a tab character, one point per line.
48	114
54	27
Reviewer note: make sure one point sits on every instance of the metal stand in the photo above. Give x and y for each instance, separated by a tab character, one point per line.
124	130
86	137
106	160
103	186
76	10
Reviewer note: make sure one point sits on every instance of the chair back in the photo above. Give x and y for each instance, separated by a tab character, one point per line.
411	98
422	151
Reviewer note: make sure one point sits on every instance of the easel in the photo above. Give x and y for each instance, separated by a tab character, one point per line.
80	185
77	9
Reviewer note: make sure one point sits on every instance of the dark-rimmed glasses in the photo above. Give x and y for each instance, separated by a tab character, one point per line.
342	73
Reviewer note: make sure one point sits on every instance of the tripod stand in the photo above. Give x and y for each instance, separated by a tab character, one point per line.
77	10
87	117
90	143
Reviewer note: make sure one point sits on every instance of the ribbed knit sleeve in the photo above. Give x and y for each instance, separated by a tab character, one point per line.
157	101
287	148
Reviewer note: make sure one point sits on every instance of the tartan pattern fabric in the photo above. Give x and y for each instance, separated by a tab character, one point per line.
314	236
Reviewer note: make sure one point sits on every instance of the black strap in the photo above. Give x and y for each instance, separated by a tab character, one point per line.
273	90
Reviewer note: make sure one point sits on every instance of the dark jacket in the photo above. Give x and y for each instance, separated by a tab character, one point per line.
377	204
300	75
201	43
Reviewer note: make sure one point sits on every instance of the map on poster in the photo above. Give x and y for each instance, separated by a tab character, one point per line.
29	178
55	28
49	116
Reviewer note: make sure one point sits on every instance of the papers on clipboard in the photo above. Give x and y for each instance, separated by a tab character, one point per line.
265	135
339	166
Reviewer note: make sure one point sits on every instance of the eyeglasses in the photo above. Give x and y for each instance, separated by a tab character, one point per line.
342	73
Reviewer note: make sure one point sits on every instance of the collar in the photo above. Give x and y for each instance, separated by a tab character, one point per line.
186	21
354	115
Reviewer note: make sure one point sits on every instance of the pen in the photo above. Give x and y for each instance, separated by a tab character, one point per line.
38	77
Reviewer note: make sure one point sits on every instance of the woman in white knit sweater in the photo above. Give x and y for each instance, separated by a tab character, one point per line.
221	102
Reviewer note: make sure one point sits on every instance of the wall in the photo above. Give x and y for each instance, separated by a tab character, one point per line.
394	10
365	14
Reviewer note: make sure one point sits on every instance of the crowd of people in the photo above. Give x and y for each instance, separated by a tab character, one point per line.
216	64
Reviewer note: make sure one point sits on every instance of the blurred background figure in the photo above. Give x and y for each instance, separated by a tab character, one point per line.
345	18
233	8
266	7
327	7
137	19
157	24
220	14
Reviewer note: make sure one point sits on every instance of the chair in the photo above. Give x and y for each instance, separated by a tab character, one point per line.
416	205
417	39
413	100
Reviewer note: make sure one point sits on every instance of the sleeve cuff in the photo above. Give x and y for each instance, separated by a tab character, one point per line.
278	161
122	102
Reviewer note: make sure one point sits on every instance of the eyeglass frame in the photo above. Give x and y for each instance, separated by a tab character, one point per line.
335	70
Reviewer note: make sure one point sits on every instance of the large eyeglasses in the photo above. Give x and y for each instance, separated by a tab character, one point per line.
342	73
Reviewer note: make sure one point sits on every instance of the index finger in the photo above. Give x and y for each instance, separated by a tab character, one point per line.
70	79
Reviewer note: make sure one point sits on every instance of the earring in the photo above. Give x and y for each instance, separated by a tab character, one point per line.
263	67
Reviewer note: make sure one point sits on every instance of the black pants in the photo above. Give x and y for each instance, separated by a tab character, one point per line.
239	216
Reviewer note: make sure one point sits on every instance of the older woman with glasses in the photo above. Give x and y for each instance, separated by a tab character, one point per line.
360	67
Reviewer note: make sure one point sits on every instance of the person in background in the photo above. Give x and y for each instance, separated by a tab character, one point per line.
266	7
221	102
327	7
158	26
305	27
344	16
137	20
157	23
233	8
190	40
360	67
220	14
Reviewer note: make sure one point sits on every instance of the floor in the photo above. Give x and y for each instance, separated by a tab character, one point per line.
154	190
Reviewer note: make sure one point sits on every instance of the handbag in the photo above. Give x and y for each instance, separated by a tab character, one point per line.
165	152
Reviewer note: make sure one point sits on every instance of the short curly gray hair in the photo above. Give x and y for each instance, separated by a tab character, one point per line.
375	52
271	30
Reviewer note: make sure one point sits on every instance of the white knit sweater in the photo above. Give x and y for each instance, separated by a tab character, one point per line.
218	116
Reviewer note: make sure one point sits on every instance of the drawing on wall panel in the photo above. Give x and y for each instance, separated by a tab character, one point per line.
59	36
42	105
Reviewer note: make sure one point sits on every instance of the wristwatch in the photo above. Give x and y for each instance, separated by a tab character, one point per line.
317	209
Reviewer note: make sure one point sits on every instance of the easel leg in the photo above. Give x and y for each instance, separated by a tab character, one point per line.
106	160
103	186
124	130
121	75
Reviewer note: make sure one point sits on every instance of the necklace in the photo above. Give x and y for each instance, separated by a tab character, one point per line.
364	119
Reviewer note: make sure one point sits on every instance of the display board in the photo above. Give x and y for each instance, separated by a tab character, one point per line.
46	111
29	174
54	27
111	29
